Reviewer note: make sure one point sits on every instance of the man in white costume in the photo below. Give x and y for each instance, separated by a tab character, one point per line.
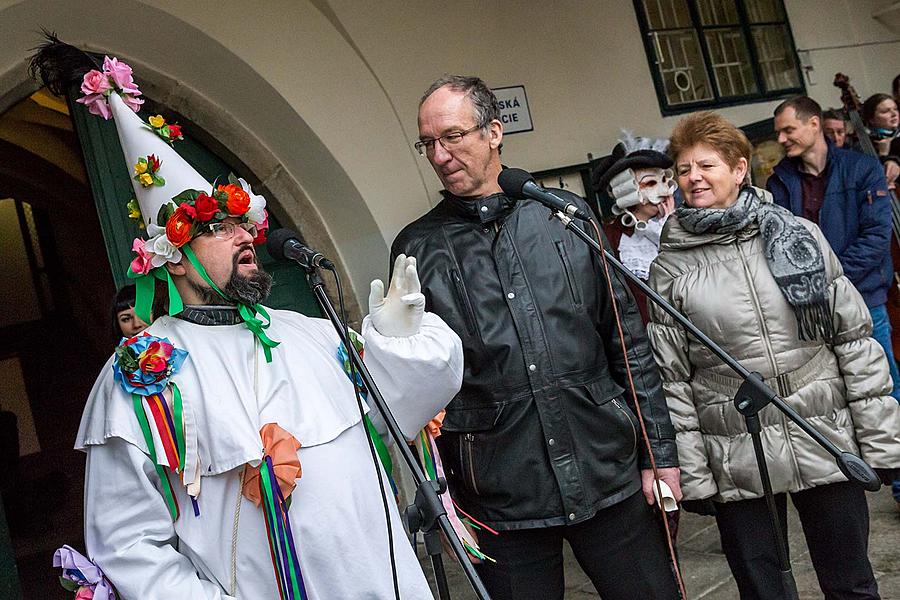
214	544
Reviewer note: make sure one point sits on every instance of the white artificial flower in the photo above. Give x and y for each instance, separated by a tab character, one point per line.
257	211
159	245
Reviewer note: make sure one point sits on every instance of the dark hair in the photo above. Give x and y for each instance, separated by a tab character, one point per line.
867	112
834	114
123	300
895	86
707	127
805	107
485	106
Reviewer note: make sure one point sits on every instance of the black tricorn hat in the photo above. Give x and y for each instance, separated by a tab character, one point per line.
610	166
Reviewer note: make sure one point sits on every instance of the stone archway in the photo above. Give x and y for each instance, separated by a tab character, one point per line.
301	115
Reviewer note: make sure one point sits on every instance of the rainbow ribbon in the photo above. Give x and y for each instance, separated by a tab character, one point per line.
285	560
169	425
431	461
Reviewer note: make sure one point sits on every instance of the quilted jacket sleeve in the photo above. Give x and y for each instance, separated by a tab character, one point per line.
864	368
670	349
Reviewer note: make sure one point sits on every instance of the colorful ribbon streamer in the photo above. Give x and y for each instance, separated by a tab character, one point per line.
170	429
285	560
434	469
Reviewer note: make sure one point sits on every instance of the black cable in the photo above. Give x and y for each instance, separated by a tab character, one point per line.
374	454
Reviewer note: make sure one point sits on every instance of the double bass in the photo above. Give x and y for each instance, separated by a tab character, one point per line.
852	105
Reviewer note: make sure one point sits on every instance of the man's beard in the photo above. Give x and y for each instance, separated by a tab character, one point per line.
241	289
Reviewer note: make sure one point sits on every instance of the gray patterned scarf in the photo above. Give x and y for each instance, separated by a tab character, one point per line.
793	255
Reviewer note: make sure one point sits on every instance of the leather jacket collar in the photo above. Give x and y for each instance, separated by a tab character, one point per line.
486	209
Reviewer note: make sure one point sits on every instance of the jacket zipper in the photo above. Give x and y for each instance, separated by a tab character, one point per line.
465	449
768	345
570	277
468	317
630	422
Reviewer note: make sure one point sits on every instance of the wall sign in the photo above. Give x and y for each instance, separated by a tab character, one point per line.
514	113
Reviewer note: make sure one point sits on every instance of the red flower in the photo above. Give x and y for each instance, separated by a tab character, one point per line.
154	163
174	131
188	210
178	228
238	200
206	207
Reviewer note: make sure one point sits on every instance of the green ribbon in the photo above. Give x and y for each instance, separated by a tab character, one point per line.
179	424
145	291
169	496
248	313
380	447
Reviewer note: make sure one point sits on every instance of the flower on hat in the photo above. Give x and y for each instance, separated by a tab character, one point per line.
141	263
179	226
167	131
134	212
146	171
159	246
96	86
238	201
206	207
144	363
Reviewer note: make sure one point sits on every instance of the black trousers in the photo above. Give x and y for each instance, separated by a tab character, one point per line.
622	550
835	520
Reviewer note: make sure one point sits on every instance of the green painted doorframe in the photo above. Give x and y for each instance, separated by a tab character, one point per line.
110	182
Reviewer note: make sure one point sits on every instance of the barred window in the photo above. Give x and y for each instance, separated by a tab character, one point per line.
706	53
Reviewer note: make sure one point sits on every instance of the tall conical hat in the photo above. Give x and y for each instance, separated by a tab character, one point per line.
138	142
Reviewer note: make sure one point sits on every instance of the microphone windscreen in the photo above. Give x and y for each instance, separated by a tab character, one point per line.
277	239
512	181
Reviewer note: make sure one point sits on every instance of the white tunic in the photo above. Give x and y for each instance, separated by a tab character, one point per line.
336	513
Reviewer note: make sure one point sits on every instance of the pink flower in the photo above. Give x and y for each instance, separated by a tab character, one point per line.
142	262
97	105
121	75
84	593
95	82
132	102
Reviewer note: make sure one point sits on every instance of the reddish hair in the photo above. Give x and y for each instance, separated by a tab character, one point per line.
713	130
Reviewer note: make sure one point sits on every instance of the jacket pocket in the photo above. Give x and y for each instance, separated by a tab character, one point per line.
462	301
469	427
570	276
622	427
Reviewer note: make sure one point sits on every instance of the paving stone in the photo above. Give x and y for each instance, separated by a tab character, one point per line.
706	572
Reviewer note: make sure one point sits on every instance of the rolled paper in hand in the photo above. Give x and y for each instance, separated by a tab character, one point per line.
668	500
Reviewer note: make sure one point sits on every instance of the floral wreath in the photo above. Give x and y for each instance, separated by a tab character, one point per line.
188	215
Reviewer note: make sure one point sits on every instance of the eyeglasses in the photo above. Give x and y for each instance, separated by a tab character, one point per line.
225	230
447	141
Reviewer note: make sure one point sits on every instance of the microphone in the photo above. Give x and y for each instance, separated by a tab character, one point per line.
517	183
287	244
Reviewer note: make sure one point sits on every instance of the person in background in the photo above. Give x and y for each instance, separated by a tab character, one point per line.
124	322
845	193
895	89
767	288
635	186
879	113
834	127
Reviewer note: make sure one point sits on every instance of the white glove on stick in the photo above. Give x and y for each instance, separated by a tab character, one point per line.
400	313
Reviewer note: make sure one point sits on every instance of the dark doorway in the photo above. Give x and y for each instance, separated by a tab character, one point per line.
54	332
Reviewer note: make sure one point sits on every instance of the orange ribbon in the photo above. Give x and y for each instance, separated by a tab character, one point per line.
282	447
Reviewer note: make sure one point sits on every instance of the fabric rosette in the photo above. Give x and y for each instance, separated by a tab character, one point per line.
115	77
82	576
282	448
144	364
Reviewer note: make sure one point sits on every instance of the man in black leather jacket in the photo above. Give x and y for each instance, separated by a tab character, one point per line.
542	443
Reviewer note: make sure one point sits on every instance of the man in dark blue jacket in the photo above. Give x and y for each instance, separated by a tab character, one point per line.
846	194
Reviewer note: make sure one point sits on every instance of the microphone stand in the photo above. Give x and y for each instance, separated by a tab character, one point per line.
426	514
752	396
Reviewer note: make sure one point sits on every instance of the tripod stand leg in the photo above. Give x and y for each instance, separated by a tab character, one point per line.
433	548
784	563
